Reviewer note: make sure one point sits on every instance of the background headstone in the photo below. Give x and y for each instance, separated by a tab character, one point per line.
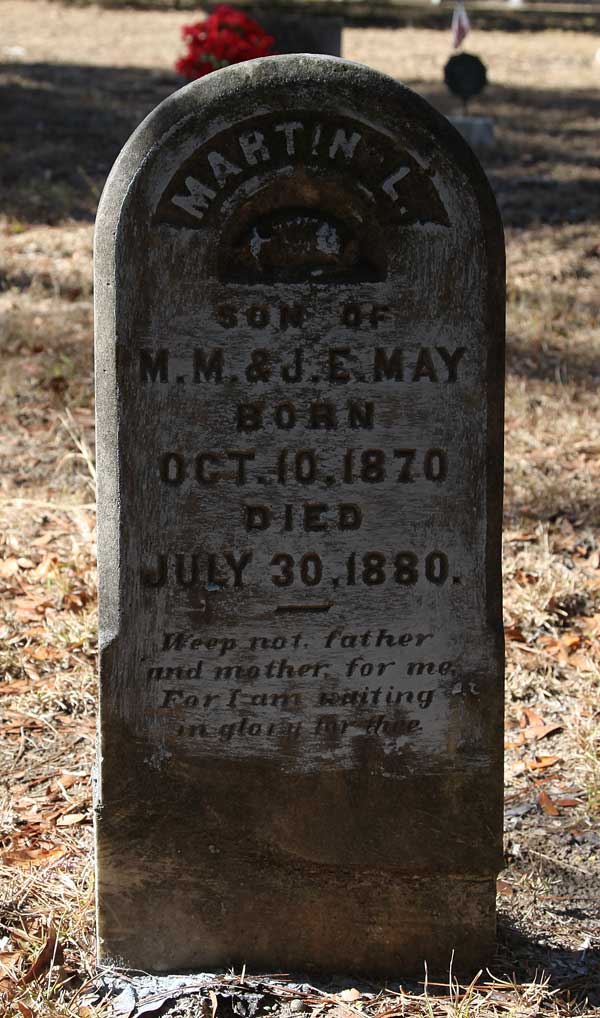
302	33
300	313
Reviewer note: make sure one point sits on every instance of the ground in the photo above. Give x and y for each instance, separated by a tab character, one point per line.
74	82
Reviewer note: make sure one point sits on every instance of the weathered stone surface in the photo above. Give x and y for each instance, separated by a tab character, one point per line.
299	286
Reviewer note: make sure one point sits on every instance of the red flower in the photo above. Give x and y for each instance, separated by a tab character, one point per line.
227	36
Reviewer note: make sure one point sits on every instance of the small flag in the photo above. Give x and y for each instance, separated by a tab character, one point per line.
460	25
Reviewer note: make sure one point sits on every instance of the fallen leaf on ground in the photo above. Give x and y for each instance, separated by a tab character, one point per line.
9	567
50	954
530	717
524	578
76	600
31	856
516	743
31	607
581	662
541	763
45	654
349	995
547	805
515	633
534	734
504	888
64	781
568	802
9	960
68	819
15	687
533	728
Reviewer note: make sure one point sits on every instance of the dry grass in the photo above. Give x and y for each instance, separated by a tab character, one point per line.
85	80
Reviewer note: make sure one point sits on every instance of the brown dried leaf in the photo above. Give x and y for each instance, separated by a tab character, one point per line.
69	819
8	988
516	743
31	856
524	578
41	542
547	805
581	662
530	717
533	728
76	600
504	888
534	734
63	781
15	687
45	654
551	644
9	961
591	623
515	633
43	568
9	567
350	995
50	954
541	763
30	607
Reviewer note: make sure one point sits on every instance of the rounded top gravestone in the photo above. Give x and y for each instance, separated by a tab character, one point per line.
299	320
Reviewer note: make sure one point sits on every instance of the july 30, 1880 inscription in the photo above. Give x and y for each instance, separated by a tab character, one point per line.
300	313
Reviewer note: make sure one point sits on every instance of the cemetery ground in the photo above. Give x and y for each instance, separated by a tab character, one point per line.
74	82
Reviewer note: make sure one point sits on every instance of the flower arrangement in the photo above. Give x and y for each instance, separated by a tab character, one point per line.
225	37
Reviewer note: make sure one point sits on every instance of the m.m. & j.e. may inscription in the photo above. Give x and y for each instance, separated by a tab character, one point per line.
299	299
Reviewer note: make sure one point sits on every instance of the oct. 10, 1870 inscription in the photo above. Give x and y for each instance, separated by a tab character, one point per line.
299	382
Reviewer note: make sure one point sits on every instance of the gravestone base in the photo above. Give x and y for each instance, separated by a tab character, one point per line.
477	131
361	923
207	878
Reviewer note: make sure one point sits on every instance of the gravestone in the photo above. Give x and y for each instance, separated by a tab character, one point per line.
477	131
301	33
300	313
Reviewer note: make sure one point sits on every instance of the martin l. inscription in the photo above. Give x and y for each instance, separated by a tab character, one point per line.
299	380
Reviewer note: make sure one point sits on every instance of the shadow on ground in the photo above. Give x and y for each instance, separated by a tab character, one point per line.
544	168
572	975
546	361
63	126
